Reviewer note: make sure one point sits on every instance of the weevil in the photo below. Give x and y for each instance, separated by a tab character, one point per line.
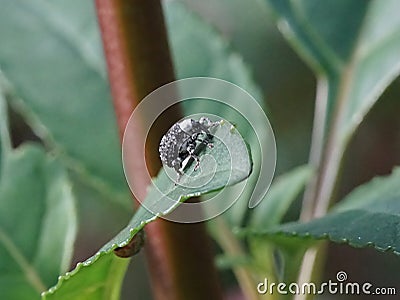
183	143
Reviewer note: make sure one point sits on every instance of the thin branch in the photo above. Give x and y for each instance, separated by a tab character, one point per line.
317	146
306	271
5	139
328	169
231	246
31	275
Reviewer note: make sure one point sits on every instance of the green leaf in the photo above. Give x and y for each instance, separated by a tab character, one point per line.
37	223
79	284
281	195
83	283
368	216
199	50
353	46
51	55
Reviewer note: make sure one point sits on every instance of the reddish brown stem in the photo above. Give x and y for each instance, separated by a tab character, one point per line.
138	61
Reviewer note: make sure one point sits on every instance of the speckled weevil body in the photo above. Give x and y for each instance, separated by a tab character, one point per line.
184	141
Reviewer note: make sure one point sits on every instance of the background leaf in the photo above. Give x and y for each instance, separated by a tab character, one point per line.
368	216
37	223
52	60
354	47
281	195
200	50
83	282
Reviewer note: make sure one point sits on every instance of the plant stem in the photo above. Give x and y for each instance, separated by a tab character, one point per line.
138	60
5	139
310	258
232	247
330	159
306	270
32	277
317	145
